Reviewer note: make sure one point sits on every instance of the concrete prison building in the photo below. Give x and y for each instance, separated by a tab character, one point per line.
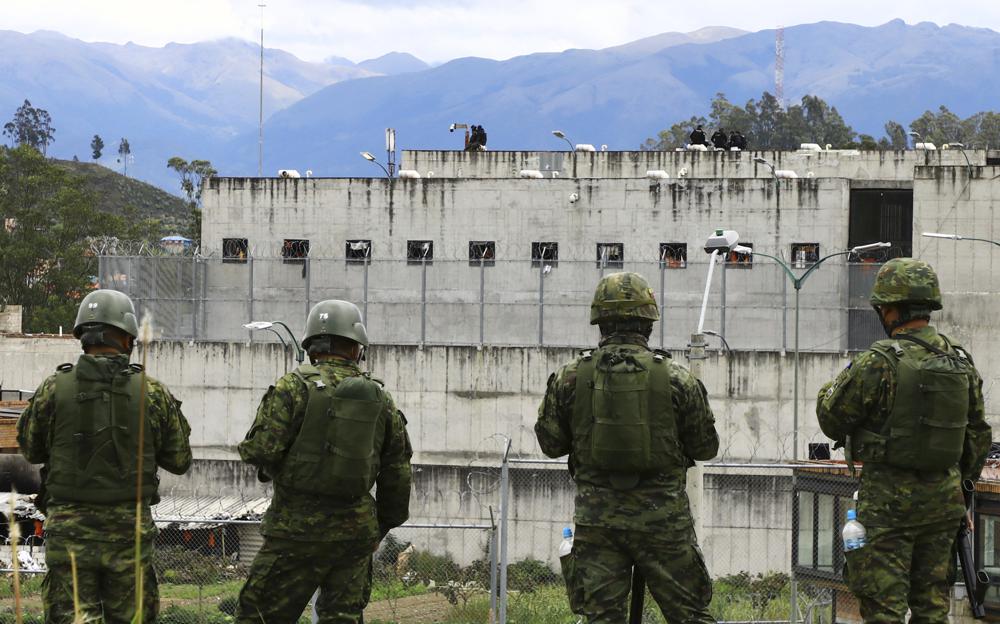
475	279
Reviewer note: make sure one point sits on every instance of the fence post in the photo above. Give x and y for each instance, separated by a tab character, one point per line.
493	569
784	314
364	295
722	310
793	606
423	300
504	529
482	301
194	297
663	301
541	301
250	295
308	275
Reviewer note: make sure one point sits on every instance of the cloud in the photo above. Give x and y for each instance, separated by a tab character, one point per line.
438	30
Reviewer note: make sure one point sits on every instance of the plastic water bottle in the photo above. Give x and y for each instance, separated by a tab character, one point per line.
566	546
854	532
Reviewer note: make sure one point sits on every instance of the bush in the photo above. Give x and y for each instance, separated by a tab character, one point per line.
530	574
425	567
176	564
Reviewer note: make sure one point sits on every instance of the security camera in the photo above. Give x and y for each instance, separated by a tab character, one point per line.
722	241
451	128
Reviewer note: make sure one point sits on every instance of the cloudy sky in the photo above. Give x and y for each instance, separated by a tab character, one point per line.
438	30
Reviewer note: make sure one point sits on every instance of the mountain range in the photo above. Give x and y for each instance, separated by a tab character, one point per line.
200	100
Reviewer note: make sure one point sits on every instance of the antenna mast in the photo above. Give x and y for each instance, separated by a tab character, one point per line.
779	65
260	121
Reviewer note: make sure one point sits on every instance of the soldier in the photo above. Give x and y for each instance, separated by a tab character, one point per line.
911	407
83	424
632	422
697	136
325	433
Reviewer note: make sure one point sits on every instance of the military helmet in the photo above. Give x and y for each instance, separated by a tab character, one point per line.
906	281
623	296
335	318
107	307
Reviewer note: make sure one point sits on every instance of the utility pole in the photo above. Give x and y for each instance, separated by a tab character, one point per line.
260	121
779	66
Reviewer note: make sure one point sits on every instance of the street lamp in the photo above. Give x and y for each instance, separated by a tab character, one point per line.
959	237
797	282
559	134
300	355
720	242
371	158
916	138
767	164
961	147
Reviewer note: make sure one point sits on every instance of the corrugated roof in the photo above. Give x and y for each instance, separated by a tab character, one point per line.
197	509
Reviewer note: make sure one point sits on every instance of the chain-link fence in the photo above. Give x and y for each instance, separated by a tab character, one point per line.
752	305
202	564
770	534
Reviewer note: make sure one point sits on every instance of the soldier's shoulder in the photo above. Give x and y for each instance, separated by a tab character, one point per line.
680	375
45	390
155	386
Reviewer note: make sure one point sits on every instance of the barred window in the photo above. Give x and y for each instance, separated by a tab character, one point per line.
235	250
673	255
419	252
358	251
482	252
545	253
610	255
295	249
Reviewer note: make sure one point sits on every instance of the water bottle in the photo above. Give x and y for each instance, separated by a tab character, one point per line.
566	546
854	532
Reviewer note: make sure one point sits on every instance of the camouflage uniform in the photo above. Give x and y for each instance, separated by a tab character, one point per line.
101	535
648	525
313	540
911	517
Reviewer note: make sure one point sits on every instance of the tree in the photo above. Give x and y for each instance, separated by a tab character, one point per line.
940	128
96	146
896	134
192	175
766	124
677	136
30	126
45	260
124	151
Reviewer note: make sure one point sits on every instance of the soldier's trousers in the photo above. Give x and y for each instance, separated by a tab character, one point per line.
904	567
105	578
285	574
672	565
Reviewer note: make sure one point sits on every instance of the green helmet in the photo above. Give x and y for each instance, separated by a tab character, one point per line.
107	307
335	318
906	281
623	296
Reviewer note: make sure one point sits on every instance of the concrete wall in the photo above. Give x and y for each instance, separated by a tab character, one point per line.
513	213
10	319
870	165
949	200
456	398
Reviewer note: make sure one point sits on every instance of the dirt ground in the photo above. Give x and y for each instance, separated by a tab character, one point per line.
422	609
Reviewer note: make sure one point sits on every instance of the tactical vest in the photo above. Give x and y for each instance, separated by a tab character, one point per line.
95	441
925	430
624	421
337	450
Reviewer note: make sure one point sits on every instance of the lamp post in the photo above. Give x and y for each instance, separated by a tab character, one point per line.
958	237
767	164
797	283
371	158
559	134
961	147
916	138
300	355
